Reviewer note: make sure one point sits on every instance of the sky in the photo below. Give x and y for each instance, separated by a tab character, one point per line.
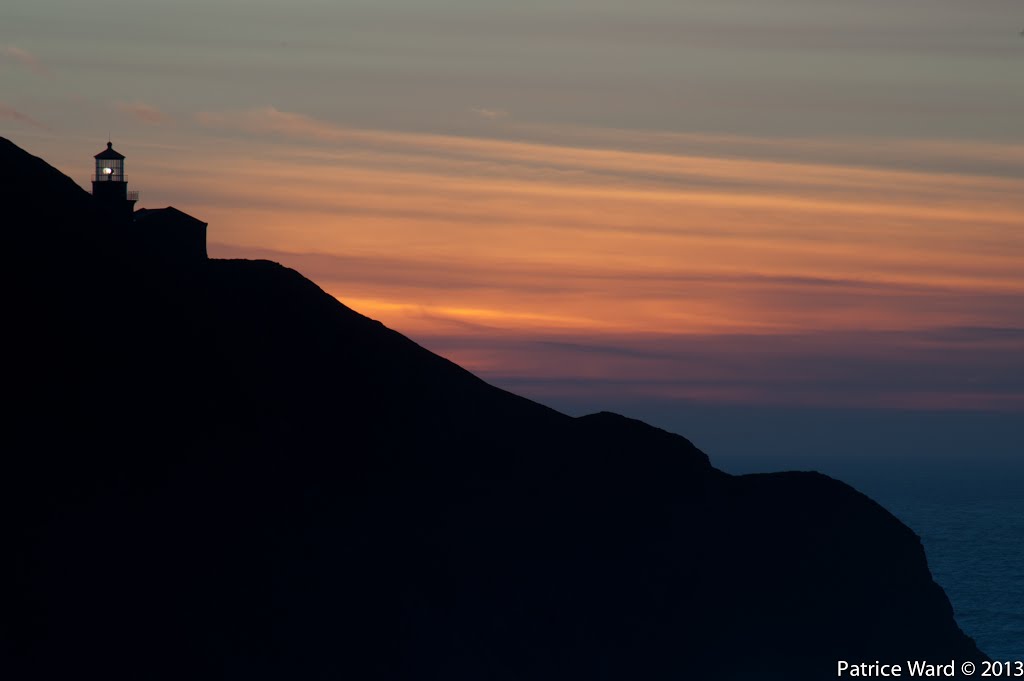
694	212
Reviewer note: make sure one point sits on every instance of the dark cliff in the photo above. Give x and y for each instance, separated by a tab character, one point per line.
216	470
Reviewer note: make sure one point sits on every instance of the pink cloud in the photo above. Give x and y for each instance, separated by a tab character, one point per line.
11	114
146	113
25	58
268	119
489	114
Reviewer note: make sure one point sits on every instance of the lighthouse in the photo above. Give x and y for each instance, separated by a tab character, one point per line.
164	234
110	188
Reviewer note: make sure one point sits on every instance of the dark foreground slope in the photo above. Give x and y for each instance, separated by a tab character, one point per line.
219	472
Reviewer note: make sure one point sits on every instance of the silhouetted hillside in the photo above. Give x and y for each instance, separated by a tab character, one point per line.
217	471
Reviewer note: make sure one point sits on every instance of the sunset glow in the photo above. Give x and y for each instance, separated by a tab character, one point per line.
566	219
480	247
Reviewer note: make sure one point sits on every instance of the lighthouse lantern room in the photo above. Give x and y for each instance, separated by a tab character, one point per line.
109	165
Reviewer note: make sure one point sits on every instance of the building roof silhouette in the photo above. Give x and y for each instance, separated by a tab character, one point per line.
169	234
109	154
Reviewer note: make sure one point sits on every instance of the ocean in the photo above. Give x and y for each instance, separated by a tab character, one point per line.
975	550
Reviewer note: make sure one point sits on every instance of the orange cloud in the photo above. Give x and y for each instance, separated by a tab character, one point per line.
655	169
861	152
465	241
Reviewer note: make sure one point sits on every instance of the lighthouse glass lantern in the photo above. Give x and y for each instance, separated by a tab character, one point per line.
109	165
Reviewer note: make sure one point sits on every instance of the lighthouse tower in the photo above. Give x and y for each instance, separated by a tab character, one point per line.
110	188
